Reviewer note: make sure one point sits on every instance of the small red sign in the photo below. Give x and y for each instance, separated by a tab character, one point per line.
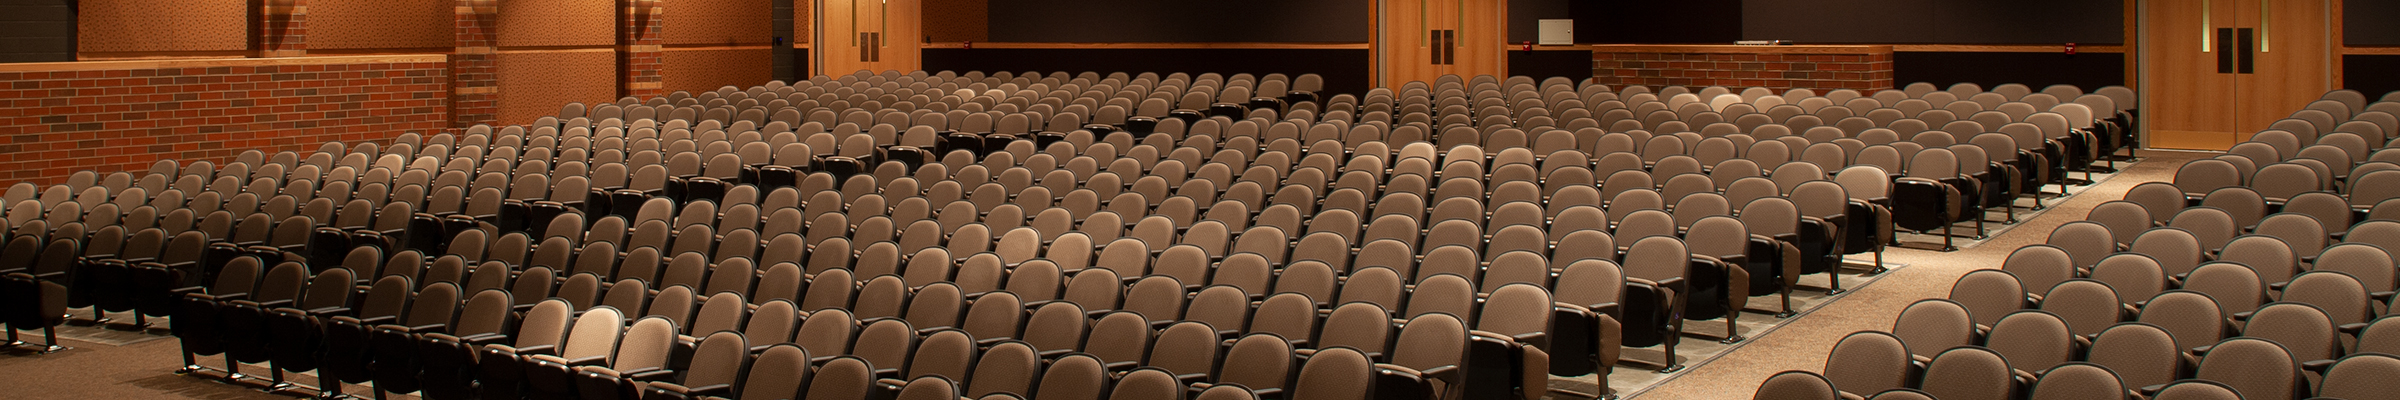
2070	49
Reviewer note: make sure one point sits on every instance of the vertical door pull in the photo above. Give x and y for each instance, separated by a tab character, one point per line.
2245	54
2224	51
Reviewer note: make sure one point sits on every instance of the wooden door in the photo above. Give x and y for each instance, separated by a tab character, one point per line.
867	35
2292	62
1421	40
2217	71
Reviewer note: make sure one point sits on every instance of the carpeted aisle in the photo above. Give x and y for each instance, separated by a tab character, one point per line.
1802	344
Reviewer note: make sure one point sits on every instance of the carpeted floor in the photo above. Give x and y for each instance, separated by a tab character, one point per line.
143	369
1802	344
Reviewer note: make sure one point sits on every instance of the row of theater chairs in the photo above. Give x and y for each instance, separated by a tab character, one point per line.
234	286
1878	364
2148	352
2218	298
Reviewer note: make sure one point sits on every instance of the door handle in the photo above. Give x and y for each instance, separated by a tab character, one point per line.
1434	41
2245	54
2224	44
1450	46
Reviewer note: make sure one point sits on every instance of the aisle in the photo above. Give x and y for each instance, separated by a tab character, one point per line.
1802	343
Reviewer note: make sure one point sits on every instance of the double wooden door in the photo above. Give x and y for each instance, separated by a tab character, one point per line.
867	35
1421	40
2217	71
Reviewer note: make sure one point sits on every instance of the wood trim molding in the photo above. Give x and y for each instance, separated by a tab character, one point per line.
1738	49
556	49
610	49
1151	45
160	55
2007	48
220	62
370	52
672	47
2370	50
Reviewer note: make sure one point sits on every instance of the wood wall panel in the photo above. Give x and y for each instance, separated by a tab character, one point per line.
958	20
802	26
699	70
381	24
535	83
720	22
557	23
162	26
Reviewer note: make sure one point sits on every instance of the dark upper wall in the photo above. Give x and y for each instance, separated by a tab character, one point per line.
1934	21
2368	22
1179	21
1525	17
37	30
1640	21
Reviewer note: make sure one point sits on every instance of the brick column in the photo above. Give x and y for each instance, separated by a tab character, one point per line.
474	71
281	29
639	52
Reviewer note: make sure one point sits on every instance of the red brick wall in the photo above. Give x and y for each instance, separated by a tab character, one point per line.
474	68
639	44
1862	72
121	116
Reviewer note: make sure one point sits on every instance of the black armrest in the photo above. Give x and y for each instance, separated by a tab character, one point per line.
1673	282
537	350
428	328
1190	379
1122	366
189	291
887	373
2353	328
270	304
691	392
1446	373
371	321
480	339
1533	338
648	374
2317	366
50	276
2152	390
592	360
1055	353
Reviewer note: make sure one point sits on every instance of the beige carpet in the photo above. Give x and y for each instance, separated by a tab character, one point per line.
1802	343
